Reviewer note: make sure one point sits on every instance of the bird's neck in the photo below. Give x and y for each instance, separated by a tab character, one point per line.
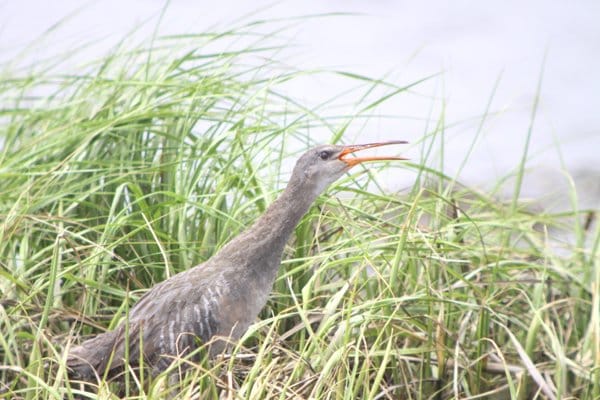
261	245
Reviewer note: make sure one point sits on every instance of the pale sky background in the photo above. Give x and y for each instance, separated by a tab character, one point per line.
471	43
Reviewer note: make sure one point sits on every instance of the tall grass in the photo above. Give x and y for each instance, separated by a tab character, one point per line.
145	163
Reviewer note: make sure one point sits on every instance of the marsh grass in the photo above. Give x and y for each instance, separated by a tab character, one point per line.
145	163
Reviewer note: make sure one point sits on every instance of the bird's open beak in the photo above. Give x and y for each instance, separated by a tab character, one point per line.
357	160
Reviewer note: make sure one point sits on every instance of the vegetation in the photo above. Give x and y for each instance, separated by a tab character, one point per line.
147	162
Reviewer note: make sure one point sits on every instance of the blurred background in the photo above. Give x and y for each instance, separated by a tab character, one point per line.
499	71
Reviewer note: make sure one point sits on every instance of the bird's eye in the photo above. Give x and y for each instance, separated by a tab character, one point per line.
324	155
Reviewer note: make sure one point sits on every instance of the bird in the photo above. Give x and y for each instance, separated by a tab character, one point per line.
215	302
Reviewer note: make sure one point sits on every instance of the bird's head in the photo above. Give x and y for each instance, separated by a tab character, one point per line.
322	165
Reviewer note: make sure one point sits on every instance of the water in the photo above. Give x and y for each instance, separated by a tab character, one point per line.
471	45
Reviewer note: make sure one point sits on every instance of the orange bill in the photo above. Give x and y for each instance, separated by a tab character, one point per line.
357	160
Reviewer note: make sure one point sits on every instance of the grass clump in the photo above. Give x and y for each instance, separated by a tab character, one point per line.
118	176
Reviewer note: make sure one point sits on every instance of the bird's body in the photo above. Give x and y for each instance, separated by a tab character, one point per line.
221	297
